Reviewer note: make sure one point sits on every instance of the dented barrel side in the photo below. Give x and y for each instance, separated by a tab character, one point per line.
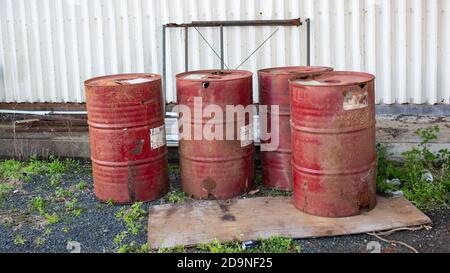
274	91
215	168
127	137
333	142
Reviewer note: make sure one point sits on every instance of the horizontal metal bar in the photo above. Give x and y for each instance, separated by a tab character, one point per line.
238	23
41	113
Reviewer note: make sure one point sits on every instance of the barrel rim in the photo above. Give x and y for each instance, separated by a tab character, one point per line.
90	82
370	78
245	74
282	70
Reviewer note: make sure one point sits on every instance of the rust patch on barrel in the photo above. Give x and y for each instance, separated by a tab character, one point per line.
139	147
131	185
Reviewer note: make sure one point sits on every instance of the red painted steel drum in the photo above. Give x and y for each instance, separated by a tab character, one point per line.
333	143
274	90
216	168
127	137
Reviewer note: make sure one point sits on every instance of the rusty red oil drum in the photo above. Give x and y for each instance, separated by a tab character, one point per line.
333	142
274	90
220	167
127	137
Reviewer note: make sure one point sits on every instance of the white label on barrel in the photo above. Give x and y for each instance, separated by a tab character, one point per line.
157	137
310	82
354	100
136	81
246	135
195	76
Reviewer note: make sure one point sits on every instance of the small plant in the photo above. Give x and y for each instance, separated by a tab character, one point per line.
19	240
278	245
11	169
55	166
176	197
71	163
62	193
258	179
132	217
217	247
48	232
110	203
279	193
174	168
38	204
118	240
35	166
51	219
55	180
133	247
39	241
73	207
271	245
81	186
65	229
177	249
5	190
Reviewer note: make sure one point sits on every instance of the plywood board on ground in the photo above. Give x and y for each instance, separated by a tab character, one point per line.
251	219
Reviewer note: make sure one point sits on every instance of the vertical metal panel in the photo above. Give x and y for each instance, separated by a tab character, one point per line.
48	47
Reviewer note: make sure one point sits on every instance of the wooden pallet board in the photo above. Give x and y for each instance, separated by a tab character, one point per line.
260	218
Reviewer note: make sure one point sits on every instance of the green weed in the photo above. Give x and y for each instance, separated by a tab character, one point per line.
62	193
133	247
279	193
176	197
177	249
73	207
424	176
39	241
81	186
11	169
38	204
19	240
278	245
174	168
5	190
272	245
217	247
132	217
51	219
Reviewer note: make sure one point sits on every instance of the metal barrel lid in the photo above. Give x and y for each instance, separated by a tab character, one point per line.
214	75
335	78
295	70
123	79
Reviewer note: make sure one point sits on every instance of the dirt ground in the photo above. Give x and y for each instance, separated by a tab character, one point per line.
94	229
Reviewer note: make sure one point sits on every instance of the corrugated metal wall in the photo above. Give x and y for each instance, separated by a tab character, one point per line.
49	47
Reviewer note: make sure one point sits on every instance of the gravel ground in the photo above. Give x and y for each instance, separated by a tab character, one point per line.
23	229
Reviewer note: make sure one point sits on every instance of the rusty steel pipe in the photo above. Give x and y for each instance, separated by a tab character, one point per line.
127	137
274	90
333	143
215	169
239	23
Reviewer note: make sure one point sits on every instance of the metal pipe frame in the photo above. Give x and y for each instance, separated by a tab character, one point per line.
221	24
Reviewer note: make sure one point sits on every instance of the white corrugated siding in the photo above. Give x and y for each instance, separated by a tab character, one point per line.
49	47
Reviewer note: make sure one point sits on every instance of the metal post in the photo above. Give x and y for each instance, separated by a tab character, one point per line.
308	42
222	62
186	49
164	64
